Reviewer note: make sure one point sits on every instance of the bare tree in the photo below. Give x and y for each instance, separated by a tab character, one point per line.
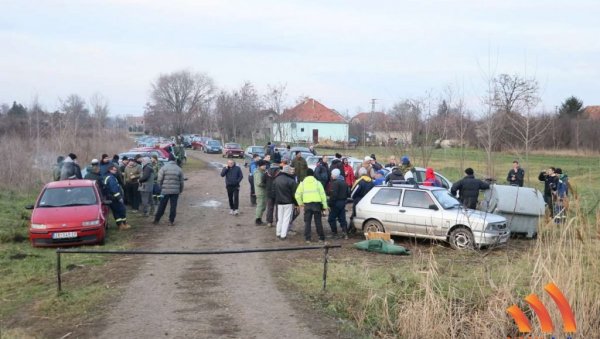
100	110
181	97
275	97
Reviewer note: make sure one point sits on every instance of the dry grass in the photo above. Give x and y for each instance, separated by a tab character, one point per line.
444	294
28	166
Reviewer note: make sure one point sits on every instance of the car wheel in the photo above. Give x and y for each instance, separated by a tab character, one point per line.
461	239
373	225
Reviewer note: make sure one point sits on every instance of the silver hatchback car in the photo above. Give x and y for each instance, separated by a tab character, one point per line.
428	212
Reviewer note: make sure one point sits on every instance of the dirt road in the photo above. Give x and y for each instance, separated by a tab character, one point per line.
217	296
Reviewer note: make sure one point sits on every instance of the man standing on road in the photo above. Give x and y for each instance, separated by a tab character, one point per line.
233	176
300	166
515	175
260	189
284	187
170	179
270	176
133	171
311	197
339	196
146	187
468	188
114	192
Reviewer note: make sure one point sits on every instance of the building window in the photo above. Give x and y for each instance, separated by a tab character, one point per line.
302	130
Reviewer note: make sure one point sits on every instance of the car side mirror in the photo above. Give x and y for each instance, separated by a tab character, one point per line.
29	207
107	202
433	207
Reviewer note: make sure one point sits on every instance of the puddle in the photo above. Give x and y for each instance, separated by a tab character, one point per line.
217	164
210	203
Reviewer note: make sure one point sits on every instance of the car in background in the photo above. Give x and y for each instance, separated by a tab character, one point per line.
419	176
231	150
250	151
162	154
68	212
291	154
312	161
213	146
428	212
198	143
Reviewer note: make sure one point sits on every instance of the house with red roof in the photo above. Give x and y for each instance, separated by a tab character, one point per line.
310	121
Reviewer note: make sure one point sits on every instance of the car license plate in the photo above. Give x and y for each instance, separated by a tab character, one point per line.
64	235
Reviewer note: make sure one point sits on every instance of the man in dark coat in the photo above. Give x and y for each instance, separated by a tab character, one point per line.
233	176
300	166
337	163
339	196
550	180
516	175
284	187
270	177
70	168
361	187
322	172
396	175
114	192
468	188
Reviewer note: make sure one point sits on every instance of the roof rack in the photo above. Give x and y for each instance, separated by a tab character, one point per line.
414	184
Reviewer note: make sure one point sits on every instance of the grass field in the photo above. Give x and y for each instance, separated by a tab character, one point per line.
438	292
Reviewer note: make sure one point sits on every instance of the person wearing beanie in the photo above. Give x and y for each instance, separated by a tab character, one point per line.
468	189
361	187
233	177
284	188
339	195
70	169
105	161
311	197
376	166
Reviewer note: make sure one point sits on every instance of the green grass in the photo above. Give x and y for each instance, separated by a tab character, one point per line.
27	274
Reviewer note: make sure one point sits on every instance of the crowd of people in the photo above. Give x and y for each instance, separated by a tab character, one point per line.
143	184
282	188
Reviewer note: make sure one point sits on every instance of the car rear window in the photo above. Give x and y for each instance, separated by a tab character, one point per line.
68	196
387	196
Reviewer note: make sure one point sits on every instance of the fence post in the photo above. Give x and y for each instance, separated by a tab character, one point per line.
58	272
325	267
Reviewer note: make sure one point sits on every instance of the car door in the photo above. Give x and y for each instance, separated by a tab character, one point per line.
416	214
385	205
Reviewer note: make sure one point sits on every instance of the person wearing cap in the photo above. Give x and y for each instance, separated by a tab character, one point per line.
337	163
132	174
270	176
57	168
170	179
260	189
339	196
379	177
367	166
70	169
93	172
251	169
376	166
311	197
468	189
115	194
516	175
105	161
146	187
405	165
300	167
284	187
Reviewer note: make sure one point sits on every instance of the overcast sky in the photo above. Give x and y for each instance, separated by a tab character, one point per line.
342	53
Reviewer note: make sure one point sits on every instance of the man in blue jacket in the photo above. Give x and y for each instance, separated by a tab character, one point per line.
115	194
233	176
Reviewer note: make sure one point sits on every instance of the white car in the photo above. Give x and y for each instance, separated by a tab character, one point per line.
312	161
428	212
420	176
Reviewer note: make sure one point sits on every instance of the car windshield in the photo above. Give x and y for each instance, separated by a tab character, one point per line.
257	149
68	196
301	149
236	146
214	143
445	199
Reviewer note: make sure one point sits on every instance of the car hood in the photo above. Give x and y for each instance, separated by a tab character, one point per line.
472	217
65	215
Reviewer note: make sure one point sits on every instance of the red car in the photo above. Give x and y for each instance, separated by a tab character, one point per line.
199	143
231	150
161	152
68	212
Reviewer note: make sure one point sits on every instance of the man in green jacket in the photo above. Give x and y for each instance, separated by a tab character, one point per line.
311	197
300	166
260	190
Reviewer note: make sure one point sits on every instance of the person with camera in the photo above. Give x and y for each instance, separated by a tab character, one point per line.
550	180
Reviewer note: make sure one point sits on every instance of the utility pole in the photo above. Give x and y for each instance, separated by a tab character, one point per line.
371	119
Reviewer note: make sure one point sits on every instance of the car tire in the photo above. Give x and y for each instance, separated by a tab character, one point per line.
373	225
461	238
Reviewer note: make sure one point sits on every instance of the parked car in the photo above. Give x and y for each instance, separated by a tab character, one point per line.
162	154
213	146
199	143
68	212
428	212
250	151
419	175
231	150
304	152
312	160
